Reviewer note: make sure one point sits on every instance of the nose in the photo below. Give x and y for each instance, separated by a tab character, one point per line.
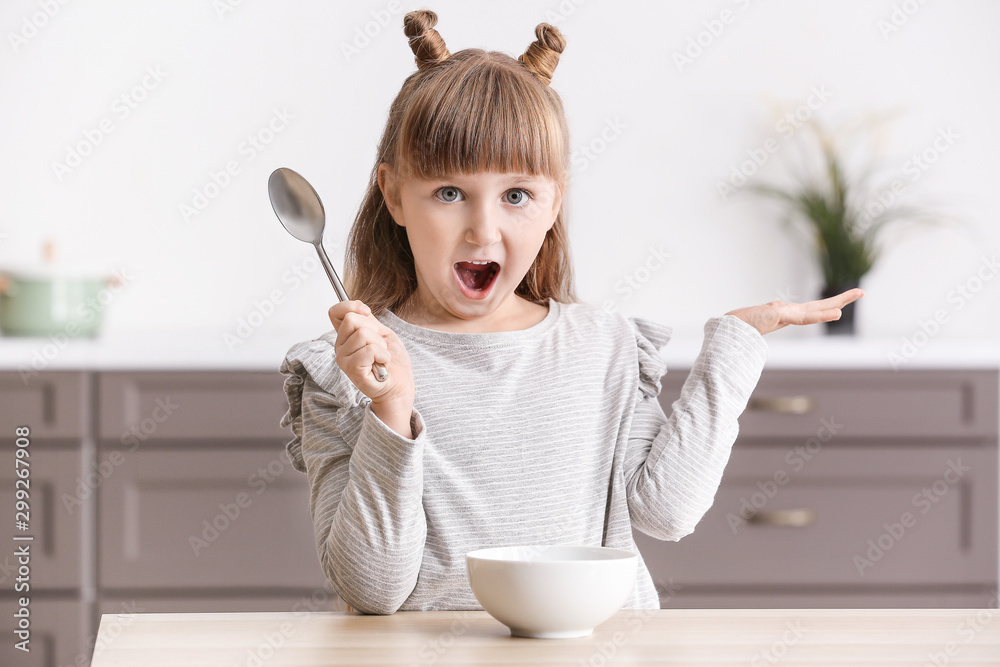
482	227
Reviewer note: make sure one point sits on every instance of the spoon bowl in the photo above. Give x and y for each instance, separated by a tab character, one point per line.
297	205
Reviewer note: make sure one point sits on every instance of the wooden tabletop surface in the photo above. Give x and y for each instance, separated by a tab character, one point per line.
752	637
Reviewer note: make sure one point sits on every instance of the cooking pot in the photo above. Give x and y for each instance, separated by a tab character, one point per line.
45	304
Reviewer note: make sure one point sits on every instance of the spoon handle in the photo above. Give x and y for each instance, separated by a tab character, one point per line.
378	370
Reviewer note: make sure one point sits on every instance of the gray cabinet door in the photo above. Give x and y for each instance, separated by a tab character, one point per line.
198	518
952	404
850	518
57	490
57	635
152	407
51	404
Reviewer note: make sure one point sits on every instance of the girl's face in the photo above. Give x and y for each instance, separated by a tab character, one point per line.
473	237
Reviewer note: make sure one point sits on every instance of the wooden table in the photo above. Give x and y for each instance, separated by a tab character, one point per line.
662	637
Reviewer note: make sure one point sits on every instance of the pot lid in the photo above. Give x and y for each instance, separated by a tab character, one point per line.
52	267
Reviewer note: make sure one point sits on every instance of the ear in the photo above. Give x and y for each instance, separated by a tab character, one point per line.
389	185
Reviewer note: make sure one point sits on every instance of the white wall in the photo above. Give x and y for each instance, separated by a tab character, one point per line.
222	73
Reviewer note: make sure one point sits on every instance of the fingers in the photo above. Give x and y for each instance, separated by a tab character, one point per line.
808	313
839	300
363	339
817	316
357	331
830	309
338	311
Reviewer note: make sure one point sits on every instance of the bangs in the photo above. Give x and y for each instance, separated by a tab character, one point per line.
471	118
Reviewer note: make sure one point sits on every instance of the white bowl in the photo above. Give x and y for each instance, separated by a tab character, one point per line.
553	591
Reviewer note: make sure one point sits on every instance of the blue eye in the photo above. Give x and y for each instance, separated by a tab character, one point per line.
521	196
517	197
449	194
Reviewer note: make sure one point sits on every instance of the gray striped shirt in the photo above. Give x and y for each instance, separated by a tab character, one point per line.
549	435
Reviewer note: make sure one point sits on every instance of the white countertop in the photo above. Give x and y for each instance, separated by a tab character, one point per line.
208	351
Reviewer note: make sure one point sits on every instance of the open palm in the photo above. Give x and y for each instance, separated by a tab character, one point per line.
777	314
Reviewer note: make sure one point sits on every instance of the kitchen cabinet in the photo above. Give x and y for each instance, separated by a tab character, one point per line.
187	407
170	491
52	403
154	491
206	504
208	497
55	526
57	635
858	488
53	407
181	519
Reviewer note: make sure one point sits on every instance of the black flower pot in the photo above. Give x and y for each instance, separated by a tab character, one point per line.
845	325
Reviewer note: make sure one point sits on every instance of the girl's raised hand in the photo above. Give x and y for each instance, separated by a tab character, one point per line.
777	314
361	341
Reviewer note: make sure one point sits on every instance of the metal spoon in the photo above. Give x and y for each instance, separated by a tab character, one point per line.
301	213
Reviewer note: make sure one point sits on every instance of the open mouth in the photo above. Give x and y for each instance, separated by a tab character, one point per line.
476	278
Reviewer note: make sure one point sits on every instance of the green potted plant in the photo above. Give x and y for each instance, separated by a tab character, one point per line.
845	215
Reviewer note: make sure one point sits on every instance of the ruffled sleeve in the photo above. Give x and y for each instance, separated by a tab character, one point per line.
365	481
650	337
316	361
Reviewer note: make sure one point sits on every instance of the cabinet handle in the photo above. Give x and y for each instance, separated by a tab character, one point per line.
793	518
789	405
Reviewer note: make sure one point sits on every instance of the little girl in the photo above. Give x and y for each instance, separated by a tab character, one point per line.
511	414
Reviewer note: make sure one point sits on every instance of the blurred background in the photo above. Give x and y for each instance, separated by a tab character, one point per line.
138	139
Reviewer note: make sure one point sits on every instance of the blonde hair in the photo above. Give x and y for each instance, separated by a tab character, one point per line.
464	113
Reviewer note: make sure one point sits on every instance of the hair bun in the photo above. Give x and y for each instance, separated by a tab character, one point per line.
427	44
542	55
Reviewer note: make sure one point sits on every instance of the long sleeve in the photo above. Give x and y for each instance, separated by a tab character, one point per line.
365	482
674	464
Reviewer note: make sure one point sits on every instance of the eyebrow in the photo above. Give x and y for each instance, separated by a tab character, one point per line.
526	178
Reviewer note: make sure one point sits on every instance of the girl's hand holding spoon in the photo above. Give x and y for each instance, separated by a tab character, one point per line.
362	342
